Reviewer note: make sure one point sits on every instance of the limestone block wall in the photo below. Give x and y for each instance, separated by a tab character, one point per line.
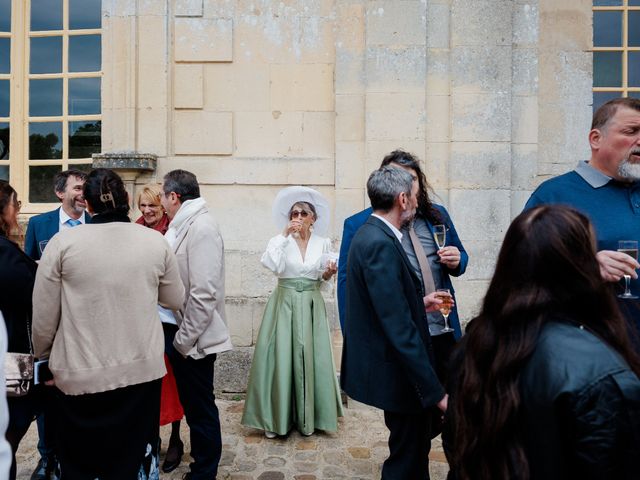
254	95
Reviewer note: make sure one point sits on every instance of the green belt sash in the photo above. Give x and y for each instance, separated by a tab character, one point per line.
299	284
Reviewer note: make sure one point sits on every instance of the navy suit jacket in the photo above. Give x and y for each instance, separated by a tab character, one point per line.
386	356
41	228
351	226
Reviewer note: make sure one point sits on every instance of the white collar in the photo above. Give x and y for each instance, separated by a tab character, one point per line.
395	231
64	218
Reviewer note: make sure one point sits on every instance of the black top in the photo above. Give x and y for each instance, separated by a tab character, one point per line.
17	276
581	408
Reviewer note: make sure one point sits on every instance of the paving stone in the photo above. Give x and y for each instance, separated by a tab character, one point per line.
227	458
271	476
306	445
244	466
360	452
305	477
274	461
305	467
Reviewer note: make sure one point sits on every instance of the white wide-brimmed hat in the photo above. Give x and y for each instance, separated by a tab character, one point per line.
290	195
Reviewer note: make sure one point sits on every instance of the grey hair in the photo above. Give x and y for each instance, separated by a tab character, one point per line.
385	184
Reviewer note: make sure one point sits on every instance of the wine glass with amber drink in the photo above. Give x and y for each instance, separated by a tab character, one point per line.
630	247
445	307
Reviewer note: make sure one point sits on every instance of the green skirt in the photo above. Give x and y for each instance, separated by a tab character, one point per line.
293	377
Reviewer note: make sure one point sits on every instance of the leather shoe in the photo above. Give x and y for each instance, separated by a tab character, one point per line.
173	457
47	469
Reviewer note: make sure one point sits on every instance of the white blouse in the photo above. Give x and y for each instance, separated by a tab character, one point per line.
283	257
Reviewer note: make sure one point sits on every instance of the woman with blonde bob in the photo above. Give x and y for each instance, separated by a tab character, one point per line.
545	386
171	411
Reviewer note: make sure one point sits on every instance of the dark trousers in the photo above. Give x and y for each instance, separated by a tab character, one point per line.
194	379
442	346
107	435
409	445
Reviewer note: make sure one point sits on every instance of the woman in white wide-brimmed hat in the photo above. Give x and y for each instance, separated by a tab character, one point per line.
293	380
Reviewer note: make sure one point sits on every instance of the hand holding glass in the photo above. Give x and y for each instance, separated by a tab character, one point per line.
445	307
630	247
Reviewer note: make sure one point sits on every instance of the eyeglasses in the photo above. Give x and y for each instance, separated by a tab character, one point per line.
298	213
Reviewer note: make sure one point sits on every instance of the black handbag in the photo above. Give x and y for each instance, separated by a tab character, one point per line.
18	370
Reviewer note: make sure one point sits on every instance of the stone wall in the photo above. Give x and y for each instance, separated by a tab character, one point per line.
253	95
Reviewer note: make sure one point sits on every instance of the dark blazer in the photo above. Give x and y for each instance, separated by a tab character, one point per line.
354	222
42	228
17	276
386	351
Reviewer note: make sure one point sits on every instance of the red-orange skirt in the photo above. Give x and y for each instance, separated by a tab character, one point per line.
170	406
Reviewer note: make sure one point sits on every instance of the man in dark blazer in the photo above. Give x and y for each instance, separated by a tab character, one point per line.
386	359
68	188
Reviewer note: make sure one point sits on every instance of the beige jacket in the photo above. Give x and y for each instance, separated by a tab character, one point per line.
200	252
94	306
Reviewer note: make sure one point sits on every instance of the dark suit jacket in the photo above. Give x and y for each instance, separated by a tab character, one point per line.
351	226
386	359
41	228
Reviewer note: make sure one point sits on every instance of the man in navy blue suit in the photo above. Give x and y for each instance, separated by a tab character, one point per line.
386	357
68	188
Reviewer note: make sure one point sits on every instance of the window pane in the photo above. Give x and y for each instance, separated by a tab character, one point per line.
5	55
5	15
634	28
606	3
4	172
634	3
45	140
600	98
85	53
84	96
85	138
607	69
41	184
83	167
634	69
46	15
607	29
45	97
4	98
4	141
85	14
46	55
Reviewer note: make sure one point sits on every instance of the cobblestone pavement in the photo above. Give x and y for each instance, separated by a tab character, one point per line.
356	452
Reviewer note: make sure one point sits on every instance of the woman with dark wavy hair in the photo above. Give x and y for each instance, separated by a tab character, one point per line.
545	384
17	275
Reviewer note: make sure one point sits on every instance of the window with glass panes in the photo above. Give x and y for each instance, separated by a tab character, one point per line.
50	92
616	50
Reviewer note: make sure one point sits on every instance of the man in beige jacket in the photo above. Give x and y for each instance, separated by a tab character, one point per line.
201	330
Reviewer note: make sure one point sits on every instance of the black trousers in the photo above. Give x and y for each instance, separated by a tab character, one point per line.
442	346
106	435
409	446
194	379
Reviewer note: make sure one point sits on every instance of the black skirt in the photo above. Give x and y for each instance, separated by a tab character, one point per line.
109	435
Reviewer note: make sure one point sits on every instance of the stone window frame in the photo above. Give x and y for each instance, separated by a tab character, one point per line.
19	162
624	90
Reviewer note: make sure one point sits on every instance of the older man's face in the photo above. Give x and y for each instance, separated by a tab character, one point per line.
170	202
618	146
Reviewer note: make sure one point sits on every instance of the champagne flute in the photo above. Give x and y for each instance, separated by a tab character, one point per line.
445	308
440	235
630	247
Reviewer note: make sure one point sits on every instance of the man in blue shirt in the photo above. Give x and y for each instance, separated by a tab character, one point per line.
607	190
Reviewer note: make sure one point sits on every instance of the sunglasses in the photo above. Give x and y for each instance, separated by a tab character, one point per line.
298	213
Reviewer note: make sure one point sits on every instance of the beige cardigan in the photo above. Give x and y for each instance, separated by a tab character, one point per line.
94	306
